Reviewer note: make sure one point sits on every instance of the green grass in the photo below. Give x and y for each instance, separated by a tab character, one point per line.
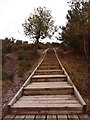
24	66
77	68
26	60
7	79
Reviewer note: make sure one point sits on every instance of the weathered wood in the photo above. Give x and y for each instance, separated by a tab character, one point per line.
47	106
77	94
19	93
15	98
84	117
48	98
19	117
79	97
49	76
45	112
62	117
48	93
29	117
48	88
9	117
40	117
48	70
73	117
44	117
48	84
49	79
51	117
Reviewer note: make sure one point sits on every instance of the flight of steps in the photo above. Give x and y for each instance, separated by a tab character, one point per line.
49	91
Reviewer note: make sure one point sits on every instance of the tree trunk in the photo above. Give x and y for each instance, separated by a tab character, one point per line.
36	45
85	48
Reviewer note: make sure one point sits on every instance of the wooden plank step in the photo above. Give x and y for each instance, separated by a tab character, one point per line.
9	117
29	117
49	117
48	67
62	117
50	64
50	105
19	117
48	97
53	111
84	117
49	76
48	88
40	106
40	117
49	72
74	117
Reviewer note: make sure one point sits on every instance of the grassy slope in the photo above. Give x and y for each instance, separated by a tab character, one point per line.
77	68
22	55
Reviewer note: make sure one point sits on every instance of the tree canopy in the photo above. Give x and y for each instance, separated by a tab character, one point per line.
40	24
75	33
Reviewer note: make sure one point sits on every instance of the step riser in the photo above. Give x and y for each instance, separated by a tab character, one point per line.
64	91
49	79
49	68
24	111
50	64
49	73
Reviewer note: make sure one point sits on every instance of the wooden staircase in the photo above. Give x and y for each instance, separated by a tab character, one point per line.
49	90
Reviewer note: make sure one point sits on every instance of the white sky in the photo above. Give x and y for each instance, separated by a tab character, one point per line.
14	12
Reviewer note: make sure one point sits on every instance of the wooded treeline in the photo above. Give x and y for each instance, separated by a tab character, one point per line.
75	34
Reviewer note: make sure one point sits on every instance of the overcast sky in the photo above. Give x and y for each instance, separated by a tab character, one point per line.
14	12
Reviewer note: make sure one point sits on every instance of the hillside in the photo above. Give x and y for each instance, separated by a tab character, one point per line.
18	61
77	67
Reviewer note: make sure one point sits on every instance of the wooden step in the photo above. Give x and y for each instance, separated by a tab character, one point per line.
49	78
49	67
50	64
49	72
48	88
47	104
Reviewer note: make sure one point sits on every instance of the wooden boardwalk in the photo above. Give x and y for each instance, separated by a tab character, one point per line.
47	117
48	94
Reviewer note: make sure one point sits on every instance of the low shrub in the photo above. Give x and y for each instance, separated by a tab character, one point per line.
19	42
6	79
24	65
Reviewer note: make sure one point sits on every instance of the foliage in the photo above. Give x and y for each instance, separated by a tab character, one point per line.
26	60
75	33
19	42
6	46
7	79
39	24
24	65
27	47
